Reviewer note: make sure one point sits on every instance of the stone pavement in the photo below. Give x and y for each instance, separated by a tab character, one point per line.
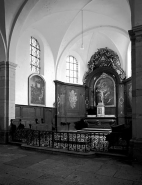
26	167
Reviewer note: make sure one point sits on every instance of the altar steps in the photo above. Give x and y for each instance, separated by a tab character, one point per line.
98	130
93	127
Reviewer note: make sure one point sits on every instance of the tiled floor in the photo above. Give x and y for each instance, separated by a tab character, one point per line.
24	167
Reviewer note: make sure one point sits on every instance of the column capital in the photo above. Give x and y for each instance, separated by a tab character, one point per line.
136	34
7	63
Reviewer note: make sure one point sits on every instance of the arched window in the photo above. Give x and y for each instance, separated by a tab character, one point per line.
35	55
71	69
129	67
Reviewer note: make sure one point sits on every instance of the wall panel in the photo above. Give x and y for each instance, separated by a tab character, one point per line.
45	115
70	103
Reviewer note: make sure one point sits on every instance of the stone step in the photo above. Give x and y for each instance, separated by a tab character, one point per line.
98	130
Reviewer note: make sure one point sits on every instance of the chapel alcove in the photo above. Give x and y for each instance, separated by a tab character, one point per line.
104	87
104	77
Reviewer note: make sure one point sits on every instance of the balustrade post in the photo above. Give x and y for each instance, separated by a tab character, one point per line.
68	139
39	136
52	139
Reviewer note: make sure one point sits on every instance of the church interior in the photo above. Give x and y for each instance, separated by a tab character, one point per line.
71	70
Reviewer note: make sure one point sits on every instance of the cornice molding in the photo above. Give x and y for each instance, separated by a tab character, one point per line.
136	34
7	63
137	29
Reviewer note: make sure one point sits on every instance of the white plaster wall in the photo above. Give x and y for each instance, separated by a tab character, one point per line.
23	68
62	66
92	42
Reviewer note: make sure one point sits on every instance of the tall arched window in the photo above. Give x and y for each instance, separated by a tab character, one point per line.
35	55
71	69
129	67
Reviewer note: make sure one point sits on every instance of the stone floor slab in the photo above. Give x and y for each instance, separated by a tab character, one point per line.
128	175
26	173
26	182
22	167
27	161
108	170
6	179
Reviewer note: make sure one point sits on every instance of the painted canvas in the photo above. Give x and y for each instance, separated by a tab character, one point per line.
36	90
104	91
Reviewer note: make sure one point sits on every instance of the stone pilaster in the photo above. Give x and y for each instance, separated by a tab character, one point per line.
136	39
7	97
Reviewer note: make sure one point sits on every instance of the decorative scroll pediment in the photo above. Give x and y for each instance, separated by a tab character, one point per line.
105	57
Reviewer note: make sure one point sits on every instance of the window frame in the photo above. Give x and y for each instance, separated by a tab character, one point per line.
72	68
35	54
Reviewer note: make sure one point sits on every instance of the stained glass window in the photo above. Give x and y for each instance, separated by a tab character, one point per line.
35	55
71	70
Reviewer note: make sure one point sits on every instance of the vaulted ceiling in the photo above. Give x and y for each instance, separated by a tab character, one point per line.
60	22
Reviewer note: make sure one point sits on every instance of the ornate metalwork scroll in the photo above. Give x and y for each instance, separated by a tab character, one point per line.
105	57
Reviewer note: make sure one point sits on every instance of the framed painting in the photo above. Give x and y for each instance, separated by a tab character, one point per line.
104	91
36	90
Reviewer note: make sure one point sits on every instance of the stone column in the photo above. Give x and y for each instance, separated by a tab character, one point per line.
136	39
7	97
136	142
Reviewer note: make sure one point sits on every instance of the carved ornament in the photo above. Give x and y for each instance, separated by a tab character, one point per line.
72	99
105	57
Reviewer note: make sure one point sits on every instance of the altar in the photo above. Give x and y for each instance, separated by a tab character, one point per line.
102	122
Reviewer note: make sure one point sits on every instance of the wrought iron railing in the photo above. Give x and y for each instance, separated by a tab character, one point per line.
72	141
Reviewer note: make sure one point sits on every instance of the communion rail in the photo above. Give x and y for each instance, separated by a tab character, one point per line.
71	141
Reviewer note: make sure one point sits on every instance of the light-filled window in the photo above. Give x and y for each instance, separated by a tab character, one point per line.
35	55
129	67
71	70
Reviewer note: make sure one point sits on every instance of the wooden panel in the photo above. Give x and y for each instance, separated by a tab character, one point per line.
17	112
70	102
61	99
32	112
28	113
49	118
45	115
128	97
110	110
38	112
121	100
72	99
82	109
